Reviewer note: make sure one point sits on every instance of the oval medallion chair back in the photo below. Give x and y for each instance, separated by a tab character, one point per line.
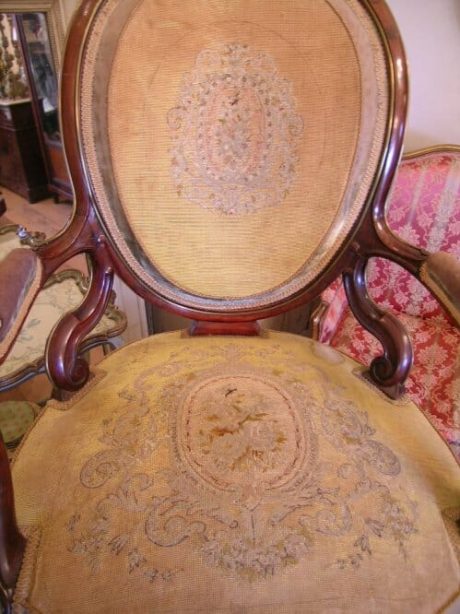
229	161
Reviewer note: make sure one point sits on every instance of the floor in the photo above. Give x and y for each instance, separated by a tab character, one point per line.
48	217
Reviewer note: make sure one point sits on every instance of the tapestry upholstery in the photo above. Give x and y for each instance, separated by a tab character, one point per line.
214	163
15	419
235	475
20	275
425	210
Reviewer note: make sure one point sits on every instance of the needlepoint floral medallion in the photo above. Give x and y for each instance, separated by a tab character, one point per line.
235	131
249	470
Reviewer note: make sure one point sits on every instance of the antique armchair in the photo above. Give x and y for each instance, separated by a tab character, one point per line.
424	206
229	161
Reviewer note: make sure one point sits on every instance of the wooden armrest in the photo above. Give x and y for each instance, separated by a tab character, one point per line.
441	274
20	277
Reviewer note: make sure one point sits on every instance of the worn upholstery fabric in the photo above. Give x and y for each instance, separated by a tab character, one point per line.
235	475
425	210
15	419
20	276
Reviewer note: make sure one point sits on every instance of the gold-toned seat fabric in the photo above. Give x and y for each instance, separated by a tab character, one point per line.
235	475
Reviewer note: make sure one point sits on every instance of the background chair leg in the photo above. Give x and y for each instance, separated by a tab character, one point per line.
389	371
12	543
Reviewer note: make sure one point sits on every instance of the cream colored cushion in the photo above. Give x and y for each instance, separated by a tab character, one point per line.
235	475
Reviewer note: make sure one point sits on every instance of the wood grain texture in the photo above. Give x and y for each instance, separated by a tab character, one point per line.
390	370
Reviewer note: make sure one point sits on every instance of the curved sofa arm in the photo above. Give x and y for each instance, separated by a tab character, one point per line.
20	280
441	274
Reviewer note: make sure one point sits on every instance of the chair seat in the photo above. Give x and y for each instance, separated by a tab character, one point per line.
235	475
434	382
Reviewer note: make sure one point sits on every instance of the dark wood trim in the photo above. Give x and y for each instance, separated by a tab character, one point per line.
33	90
64	365
12	543
390	370
70	80
83	231
32	369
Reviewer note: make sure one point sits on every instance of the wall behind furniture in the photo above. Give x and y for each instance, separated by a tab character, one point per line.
68	7
431	33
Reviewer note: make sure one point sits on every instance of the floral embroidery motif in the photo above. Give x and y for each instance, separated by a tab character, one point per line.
241	433
234	132
246	467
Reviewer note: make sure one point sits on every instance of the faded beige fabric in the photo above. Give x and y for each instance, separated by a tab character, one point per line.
245	146
235	475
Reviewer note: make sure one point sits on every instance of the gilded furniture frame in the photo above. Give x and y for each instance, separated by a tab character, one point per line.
86	234
54	16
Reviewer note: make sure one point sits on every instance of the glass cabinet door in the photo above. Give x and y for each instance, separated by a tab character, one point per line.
43	83
41	64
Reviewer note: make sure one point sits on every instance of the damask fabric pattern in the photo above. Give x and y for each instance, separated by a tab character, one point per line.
336	300
229	474
434	382
425	210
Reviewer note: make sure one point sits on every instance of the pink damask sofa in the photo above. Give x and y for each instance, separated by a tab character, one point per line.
424	208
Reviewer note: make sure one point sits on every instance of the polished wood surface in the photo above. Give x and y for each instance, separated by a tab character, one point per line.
51	149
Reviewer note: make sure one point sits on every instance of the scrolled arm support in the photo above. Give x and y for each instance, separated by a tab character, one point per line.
390	370
67	370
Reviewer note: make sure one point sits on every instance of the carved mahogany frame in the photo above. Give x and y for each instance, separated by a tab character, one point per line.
85	234
36	367
372	238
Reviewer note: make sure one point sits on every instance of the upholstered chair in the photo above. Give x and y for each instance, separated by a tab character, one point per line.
230	159
424	208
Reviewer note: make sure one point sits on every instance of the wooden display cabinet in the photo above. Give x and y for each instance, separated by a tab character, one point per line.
22	168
